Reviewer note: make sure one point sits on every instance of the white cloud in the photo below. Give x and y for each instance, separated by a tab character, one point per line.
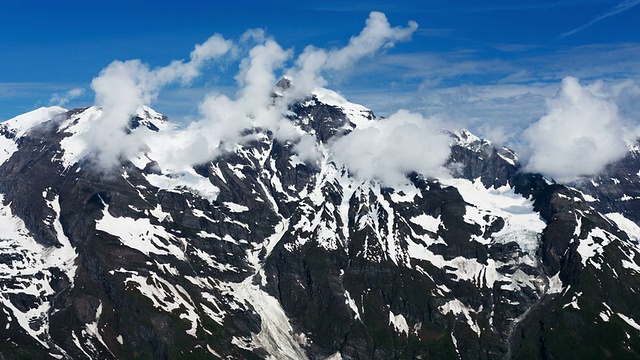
224	120
581	132
621	7
61	100
377	34
387	150
391	148
258	35
123	87
627	97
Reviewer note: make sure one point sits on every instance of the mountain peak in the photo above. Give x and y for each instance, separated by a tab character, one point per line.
22	123
151	119
466	138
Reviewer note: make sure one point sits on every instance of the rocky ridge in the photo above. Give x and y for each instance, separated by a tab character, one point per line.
259	254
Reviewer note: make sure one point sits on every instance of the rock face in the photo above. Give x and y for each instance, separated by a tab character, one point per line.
258	254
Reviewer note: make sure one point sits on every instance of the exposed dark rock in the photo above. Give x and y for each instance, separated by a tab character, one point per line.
292	259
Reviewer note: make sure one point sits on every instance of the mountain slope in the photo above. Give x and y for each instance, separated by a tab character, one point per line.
258	253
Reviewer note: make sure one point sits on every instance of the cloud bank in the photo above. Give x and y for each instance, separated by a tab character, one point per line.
123	87
391	148
226	121
581	132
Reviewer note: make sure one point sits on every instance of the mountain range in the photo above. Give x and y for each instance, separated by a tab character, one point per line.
259	253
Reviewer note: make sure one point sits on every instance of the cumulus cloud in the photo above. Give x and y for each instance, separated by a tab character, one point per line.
225	121
401	141
391	148
581	132
377	34
626	94
63	99
123	87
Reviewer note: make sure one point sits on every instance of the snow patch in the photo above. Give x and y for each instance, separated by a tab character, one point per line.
624	224
523	225
141	235
456	307
427	222
188	181
574	301
399	323
629	321
21	124
236	208
593	245
352	305
555	284
7	148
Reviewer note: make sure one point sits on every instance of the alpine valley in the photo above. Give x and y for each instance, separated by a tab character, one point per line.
259	254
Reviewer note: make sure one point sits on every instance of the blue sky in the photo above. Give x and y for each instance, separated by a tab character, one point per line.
494	63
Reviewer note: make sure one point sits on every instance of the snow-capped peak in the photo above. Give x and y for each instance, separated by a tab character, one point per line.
146	112
151	119
357	114
79	119
332	98
468	140
80	122
22	123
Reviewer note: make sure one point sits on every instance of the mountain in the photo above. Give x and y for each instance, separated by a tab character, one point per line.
258	254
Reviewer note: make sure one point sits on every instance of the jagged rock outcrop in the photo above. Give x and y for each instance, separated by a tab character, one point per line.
259	254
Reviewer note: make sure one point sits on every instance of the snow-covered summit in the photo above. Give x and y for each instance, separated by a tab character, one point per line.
22	123
357	114
466	139
151	119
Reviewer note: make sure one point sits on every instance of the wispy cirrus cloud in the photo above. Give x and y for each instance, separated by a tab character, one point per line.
525	63
621	7
62	99
519	6
434	32
494	97
19	97
17	89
